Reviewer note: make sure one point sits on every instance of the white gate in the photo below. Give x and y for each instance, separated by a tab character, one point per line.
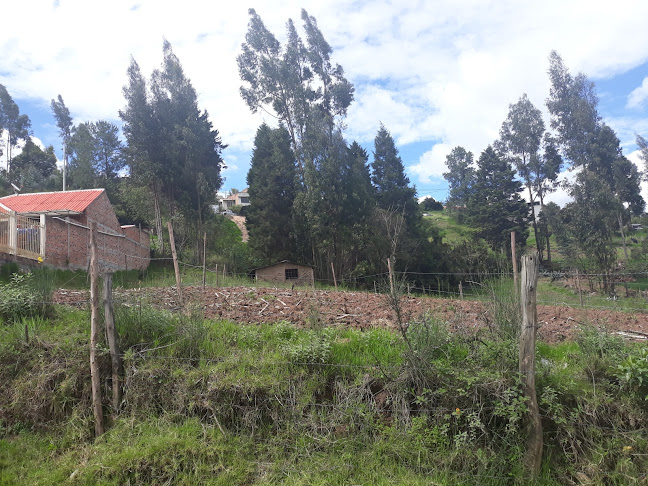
22	236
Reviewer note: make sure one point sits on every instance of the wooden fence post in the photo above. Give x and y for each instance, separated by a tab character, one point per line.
460	291
530	270
217	275
204	258
113	342
580	291
334	280
175	262
515	267
94	332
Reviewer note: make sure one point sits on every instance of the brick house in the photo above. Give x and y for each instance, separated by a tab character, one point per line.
53	227
241	198
286	272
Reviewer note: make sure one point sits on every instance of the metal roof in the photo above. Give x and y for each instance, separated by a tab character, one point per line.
51	203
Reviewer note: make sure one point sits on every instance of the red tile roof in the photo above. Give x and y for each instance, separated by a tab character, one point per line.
41	202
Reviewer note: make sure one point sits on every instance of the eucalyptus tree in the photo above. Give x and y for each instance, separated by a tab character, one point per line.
461	178
11	121
588	143
81	165
520	138
64	123
297	83
545	168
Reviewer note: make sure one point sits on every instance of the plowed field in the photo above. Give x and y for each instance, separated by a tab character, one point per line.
361	310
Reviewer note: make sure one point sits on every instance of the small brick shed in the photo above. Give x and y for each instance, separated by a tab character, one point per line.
55	227
287	272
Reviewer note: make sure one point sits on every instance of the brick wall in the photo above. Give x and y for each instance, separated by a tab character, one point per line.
68	239
277	273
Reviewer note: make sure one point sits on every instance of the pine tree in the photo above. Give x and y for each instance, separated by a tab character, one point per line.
272	185
388	177
495	206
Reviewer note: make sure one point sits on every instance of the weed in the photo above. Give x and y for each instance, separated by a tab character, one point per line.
633	372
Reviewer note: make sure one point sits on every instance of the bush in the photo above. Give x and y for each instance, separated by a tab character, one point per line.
25	296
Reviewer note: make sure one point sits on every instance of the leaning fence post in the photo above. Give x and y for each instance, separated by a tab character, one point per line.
529	282
175	262
94	332
113	342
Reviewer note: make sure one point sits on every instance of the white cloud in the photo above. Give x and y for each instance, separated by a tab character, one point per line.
638	96
443	70
432	163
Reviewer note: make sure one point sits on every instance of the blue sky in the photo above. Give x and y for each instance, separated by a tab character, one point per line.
437	73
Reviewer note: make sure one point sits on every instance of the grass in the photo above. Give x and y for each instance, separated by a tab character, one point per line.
452	232
214	402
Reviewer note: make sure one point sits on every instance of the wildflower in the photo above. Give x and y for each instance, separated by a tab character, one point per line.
627	448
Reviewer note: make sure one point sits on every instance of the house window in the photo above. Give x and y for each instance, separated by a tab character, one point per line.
292	274
245	200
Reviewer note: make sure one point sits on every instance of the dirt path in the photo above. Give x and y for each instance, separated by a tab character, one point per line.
240	222
361	310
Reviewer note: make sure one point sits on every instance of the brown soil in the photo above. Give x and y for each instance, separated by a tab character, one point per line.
240	222
362	310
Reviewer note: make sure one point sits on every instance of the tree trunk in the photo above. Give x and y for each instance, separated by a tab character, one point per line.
530	269
535	225
623	238
547	237
158	218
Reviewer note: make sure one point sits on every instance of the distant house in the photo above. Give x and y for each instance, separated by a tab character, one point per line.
286	272
53	228
241	198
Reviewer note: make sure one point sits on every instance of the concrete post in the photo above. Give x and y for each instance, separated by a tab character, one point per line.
13	233
43	235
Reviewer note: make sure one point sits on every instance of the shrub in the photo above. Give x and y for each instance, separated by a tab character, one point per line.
633	372
25	296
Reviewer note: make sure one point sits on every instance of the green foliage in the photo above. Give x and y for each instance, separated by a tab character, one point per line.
495	206
25	296
272	181
172	148
633	372
13	123
431	204
460	177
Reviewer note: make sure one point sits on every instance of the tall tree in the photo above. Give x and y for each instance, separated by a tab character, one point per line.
545	168
460	177
298	82
587	142
272	182
82	152
64	124
108	149
33	166
520	138
572	104
495	206
143	138
391	185
172	144
11	121
588	222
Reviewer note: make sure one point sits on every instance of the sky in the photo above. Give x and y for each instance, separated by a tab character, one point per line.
436	73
